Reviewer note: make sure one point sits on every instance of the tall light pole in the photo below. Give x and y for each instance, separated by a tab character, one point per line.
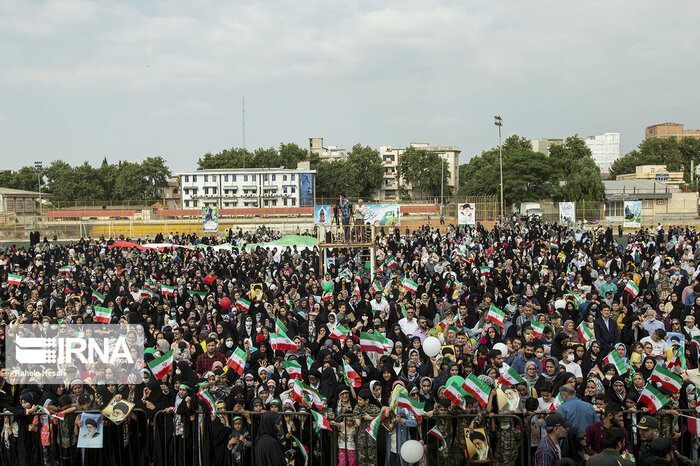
442	183
498	121
38	165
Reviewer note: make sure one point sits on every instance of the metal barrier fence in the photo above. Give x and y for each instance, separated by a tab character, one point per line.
196	439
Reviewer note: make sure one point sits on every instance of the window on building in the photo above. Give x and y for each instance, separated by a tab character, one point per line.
245	177
254	177
294	201
265	202
274	177
206	191
285	201
284	189
292	176
213	177
194	203
226	178
265	177
187	178
234	178
213	190
284	177
647	204
187	203
294	189
614	209
194	178
206	178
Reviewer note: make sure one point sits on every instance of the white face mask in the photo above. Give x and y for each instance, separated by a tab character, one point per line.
608	376
570	358
539	355
229	344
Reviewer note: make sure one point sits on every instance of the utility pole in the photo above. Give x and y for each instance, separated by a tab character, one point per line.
38	165
243	129
498	121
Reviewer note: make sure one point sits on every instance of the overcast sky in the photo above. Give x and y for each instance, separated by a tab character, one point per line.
82	80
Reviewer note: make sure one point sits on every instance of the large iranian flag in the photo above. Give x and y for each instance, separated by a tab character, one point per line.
167	290
409	285
558	401
652	398
279	326
208	400
632	289
376	286
339	332
496	316
66	269
98	297
237	361
678	359
667	379
585	333
435	432
352	378
414	406
537	328
280	341
484	271
103	314
373	342
453	394
614	359
243	304
314	396
13	279
293	368
163	365
477	388
510	377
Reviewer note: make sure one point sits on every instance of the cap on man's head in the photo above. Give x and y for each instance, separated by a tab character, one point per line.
689	319
648	422
554	420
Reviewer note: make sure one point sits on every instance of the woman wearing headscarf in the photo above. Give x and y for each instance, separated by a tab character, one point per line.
569	330
617	391
574	446
268	451
591	358
647	368
531	376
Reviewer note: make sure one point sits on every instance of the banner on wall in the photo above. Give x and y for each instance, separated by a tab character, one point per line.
322	215
567	212
633	214
466	214
210	219
383	214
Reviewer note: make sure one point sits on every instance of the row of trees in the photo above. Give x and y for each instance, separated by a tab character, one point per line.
109	182
568	173
677	155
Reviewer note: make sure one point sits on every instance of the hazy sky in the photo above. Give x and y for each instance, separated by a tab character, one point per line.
82	80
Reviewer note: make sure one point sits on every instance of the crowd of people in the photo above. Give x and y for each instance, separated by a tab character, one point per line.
577	337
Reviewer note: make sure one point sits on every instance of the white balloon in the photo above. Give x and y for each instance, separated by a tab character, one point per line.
411	451
431	346
502	348
559	304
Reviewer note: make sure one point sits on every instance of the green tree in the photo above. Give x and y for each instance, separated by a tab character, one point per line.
567	154
369	170
423	170
583	182
335	178
657	151
227	158
155	174
291	154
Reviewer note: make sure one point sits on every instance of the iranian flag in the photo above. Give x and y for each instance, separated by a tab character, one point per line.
280	341
496	316
352	378
614	359
66	269
146	293
339	332
484	271
243	304
554	245
302	449
696	342
59	416
510	377
149	285
298	391
632	289
436	433
453	394
652	398
558	401
163	365
13	279
98	297
678	359
237	361
373	342
477	388
693	424
356	290
321	421
103	314
201	294
208	400
314	396
585	333
167	290
666	378
279	326
391	263
414	406
409	285
537	328
293	368
375	425
376	286
327	296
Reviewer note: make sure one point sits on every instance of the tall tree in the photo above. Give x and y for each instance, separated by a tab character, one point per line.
572	150
369	170
583	182
291	154
423	170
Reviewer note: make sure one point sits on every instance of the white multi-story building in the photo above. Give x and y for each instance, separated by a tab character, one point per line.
248	187
390	158
605	149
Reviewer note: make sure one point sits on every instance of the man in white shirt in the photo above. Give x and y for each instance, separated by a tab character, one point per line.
379	304
409	324
658	344
690	327
571	366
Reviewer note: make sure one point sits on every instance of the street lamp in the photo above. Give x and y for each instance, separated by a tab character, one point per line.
498	121
38	165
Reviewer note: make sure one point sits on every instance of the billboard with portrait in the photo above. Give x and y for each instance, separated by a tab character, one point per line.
322	215
633	214
210	219
466	214
567	212
383	214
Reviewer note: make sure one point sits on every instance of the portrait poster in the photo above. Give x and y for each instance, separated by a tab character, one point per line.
567	212
256	291
90	434
210	219
383	214
322	215
118	411
466	214
633	214
478	447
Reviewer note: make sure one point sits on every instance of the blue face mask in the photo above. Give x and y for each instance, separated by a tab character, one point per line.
88	311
